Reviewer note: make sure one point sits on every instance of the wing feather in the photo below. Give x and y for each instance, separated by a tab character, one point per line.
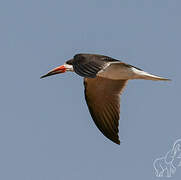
103	100
88	65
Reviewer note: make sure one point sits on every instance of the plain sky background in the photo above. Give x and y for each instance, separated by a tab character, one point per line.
46	131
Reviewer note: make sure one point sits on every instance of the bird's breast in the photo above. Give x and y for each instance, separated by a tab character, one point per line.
117	71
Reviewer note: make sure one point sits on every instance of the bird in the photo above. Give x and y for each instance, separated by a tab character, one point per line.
104	81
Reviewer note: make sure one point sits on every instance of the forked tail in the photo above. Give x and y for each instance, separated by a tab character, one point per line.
152	77
144	75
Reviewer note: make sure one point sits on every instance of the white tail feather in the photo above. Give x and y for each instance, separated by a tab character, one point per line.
144	75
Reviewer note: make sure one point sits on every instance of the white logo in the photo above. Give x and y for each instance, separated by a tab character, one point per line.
167	165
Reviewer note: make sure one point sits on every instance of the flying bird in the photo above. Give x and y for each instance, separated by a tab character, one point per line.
104	81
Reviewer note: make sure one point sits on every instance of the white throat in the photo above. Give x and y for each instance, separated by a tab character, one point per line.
69	67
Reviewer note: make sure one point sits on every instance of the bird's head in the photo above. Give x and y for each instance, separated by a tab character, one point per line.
60	69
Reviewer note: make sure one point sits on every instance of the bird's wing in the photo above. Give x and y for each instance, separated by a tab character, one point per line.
89	66
103	100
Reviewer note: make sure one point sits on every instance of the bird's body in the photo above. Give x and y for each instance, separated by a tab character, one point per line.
104	81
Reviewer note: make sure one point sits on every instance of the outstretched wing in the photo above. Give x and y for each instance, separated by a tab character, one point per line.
103	100
88	65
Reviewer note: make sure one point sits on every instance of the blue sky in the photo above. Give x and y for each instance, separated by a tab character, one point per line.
46	131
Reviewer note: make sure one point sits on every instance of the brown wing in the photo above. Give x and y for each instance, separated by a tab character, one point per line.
103	100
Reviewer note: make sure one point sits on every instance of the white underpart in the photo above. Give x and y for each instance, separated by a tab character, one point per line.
69	67
118	71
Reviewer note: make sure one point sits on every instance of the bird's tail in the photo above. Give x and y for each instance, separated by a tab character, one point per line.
140	74
152	77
